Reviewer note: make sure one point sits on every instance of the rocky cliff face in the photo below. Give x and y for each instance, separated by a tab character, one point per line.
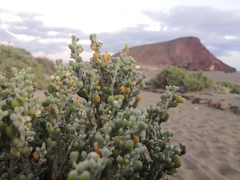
186	52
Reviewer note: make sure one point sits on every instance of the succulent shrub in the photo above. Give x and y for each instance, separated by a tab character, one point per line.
180	77
222	89
233	87
89	126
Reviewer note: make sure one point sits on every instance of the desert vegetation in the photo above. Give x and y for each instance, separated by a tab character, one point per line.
100	134
233	87
180	77
21	59
191	81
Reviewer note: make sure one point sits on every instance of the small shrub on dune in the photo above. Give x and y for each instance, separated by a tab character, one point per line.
182	78
222	89
234	88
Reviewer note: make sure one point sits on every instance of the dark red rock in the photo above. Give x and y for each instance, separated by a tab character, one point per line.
186	52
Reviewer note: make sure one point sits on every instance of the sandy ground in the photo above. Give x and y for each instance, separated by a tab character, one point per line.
212	135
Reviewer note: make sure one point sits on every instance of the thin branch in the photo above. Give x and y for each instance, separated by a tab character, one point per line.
65	159
12	164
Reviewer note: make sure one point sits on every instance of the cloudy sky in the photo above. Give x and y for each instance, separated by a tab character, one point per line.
44	27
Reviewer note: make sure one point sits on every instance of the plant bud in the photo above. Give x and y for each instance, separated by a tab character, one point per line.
14	117
121	97
22	177
142	126
68	112
123	89
14	152
97	149
16	141
129	144
106	57
135	139
25	150
53	144
166	117
20	145
72	175
128	90
96	98
71	63
10	132
109	90
133	83
117	140
36	156
32	112
110	99
5	92
85	175
120	160
15	103
85	93
80	168
138	98
97	88
57	131
109	163
180	99
48	109
137	165
59	83
115	152
177	160
51	130
99	138
142	86
30	176
72	130
95	57
92	47
74	156
76	144
125	123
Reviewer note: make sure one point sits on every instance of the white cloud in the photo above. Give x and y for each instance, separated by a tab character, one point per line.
65	55
229	37
88	16
52	33
6	17
49	40
23	37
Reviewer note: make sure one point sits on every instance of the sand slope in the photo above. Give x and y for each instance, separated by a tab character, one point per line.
212	137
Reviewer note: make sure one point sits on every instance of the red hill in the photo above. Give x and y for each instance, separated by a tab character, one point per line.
186	52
